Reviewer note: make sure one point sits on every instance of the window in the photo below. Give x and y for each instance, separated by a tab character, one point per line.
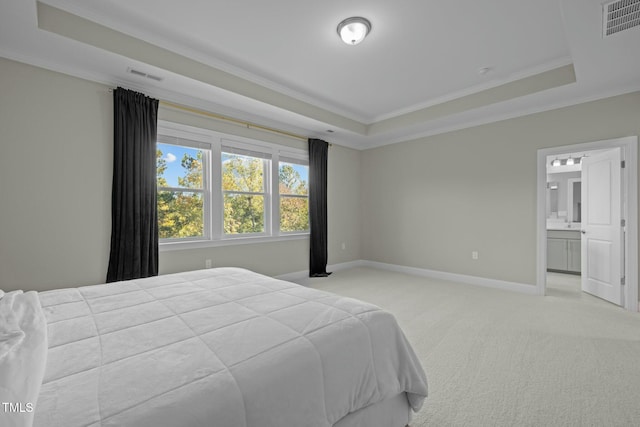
293	186
181	190
244	191
215	189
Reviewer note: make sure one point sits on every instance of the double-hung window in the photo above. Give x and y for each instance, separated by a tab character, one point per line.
183	193
293	190
216	189
245	191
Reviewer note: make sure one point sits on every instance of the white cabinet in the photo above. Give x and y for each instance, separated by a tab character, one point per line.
574	254
557	254
563	251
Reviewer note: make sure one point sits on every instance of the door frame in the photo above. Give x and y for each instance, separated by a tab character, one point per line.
629	148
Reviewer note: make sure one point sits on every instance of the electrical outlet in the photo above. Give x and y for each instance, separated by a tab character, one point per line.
344	246
474	255
207	263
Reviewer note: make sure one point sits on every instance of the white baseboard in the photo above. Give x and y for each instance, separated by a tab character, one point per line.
302	277
454	277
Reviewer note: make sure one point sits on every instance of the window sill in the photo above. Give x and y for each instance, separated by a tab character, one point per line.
198	244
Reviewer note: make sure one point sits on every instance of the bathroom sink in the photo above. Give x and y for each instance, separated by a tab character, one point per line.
558	225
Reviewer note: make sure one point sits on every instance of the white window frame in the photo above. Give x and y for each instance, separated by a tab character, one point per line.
213	143
291	158
192	141
242	148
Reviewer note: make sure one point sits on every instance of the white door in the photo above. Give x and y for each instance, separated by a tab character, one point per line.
601	226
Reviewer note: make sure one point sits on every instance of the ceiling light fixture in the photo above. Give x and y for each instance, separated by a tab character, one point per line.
353	30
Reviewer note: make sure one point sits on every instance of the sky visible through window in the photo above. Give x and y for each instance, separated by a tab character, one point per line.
301	169
173	155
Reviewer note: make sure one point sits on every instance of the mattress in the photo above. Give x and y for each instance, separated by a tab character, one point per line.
222	347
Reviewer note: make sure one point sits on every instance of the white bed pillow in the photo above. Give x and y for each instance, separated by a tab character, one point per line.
23	354
11	334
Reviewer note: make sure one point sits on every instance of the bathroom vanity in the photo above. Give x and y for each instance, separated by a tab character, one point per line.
564	205
564	251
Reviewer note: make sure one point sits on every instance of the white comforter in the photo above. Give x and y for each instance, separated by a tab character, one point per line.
218	347
23	355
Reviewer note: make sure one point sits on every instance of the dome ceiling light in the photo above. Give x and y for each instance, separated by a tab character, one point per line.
353	30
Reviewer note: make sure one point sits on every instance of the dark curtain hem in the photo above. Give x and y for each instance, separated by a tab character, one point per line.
134	225
319	275
318	254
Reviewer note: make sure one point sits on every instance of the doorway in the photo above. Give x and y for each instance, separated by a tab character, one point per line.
629	265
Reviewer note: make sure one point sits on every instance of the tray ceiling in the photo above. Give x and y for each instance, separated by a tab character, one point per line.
425	68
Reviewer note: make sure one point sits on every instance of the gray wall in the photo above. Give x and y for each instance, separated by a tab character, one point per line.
425	203
429	203
56	139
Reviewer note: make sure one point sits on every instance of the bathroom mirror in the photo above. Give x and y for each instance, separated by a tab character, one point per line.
574	200
552	198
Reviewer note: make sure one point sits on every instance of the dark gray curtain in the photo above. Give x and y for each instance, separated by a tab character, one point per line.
318	152
134	225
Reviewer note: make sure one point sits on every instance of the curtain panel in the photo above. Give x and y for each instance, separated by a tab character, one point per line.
134	225
318	153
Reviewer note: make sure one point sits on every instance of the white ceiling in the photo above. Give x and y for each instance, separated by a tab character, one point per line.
416	74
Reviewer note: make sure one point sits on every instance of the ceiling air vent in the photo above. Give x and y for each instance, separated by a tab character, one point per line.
620	15
149	76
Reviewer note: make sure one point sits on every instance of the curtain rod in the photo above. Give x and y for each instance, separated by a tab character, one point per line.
248	125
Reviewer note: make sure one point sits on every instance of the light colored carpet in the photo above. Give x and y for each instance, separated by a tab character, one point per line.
499	358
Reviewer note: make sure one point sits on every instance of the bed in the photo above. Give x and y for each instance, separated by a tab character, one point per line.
215	347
